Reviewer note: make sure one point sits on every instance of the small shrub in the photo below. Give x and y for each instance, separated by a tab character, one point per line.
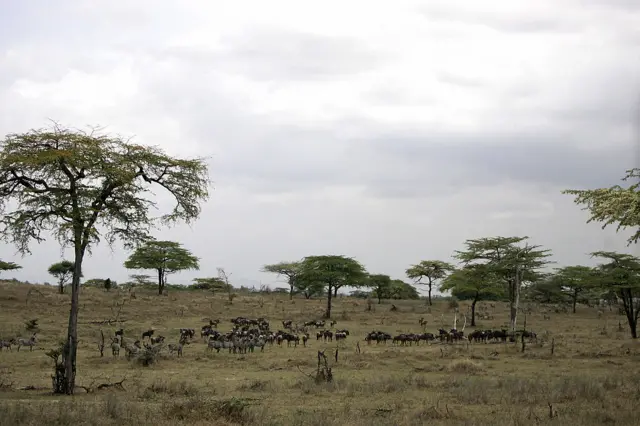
466	366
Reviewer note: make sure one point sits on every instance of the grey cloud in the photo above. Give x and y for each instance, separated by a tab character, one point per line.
445	163
273	54
459	80
522	23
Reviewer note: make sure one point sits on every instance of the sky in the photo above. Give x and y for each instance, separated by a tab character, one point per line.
387	131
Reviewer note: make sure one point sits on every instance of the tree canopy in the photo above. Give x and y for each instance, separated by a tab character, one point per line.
80	186
381	286
621	273
165	257
8	266
332	271
63	272
209	283
574	280
290	270
509	261
613	205
475	281
402	290
430	270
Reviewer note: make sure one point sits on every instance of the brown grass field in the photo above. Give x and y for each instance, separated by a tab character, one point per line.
593	377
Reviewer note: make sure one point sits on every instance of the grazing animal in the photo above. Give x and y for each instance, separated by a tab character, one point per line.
305	337
115	347
148	334
157	340
27	342
120	332
7	344
175	348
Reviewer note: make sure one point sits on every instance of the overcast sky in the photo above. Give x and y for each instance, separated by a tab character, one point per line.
387	131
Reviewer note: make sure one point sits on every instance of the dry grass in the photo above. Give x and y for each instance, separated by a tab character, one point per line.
593	377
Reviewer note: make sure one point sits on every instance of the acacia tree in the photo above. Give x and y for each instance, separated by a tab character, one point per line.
613	205
80	186
512	263
381	285
308	287
430	270
332	271
402	290
622	275
165	257
63	272
8	266
288	269
545	289
477	281
210	283
574	280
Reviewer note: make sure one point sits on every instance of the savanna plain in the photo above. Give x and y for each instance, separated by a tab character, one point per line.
582	368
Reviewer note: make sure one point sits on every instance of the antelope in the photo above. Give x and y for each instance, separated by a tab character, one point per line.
24	342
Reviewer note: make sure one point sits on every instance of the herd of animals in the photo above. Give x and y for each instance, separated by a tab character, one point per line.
248	334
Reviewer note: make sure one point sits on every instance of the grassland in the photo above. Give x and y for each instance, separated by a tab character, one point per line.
593	377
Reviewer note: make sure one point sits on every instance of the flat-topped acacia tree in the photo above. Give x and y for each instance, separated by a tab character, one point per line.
8	266
81	186
165	257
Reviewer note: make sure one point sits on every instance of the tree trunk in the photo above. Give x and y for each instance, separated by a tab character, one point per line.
430	286
630	310
335	291
574	300
379	298
514	298
71	346
473	311
61	287
291	292
327	314
160	281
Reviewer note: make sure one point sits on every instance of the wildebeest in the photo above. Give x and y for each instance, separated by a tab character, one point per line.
7	344
157	340
148	334
378	336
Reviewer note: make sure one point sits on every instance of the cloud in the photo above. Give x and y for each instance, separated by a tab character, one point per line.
387	132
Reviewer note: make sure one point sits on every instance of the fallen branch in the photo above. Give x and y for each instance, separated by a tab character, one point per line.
91	388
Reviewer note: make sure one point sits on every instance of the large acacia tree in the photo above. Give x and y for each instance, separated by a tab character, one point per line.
476	282
620	273
63	272
333	271
164	257
508	260
429	273
83	186
574	280
614	205
291	270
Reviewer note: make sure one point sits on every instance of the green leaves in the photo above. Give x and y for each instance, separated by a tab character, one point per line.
291	270
613	205
332	272
168	256
381	285
8	266
75	183
474	281
431	270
